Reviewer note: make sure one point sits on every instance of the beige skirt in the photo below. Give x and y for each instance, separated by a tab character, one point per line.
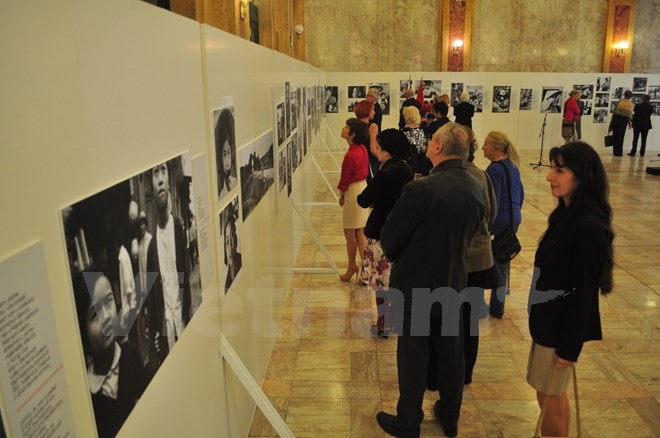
354	216
542	372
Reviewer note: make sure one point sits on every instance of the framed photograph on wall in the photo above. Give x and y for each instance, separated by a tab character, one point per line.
586	107
357	92
257	172
639	85
331	103
603	83
289	173
224	130
404	84
476	97
456	90
287	108
383	96
230	243
551	99
281	162
586	91
128	246
602	100
654	92
501	98
600	116
526	96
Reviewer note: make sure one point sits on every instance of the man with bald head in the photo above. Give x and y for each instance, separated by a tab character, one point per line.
409	94
426	235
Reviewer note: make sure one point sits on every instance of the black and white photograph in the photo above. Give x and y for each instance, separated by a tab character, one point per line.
654	92
637	98
602	100
383	96
603	83
586	106
551	99
432	87
456	90
619	92
501	98
279	115
357	91
294	101
404	84
613	106
351	104
586	90
287	108
116	241
289	173
230	242
225	149
476	93
257	171
281	161
526	95
308	143
331	102
600	116
293	157
656	108
639	85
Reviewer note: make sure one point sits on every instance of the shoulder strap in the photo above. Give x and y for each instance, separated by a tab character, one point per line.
508	183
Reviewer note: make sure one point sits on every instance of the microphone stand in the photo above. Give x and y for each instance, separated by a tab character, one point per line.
542	137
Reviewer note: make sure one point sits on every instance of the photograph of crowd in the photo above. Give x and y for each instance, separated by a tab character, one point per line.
134	266
225	149
257	171
230	243
501	98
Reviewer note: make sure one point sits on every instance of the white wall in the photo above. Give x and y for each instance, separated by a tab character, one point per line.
522	127
94	92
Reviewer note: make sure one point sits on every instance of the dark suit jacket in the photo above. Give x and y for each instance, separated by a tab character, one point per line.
411	101
463	113
378	116
642	116
382	193
155	299
427	232
435	125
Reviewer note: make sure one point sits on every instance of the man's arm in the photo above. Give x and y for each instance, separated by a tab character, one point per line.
400	223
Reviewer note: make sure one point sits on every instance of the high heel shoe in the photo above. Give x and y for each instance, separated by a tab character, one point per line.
350	272
379	328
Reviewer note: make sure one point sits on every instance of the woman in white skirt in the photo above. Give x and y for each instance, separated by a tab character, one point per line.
354	171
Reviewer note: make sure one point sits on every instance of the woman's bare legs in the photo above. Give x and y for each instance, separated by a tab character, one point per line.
361	243
557	416
351	249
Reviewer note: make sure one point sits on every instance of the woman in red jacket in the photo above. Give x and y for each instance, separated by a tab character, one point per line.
354	171
571	116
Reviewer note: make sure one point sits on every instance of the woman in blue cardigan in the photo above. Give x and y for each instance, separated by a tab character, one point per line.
504	162
573	262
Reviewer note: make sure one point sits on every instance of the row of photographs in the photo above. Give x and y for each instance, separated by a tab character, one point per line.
551	99
133	254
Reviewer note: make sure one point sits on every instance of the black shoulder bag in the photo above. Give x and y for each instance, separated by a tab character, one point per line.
506	246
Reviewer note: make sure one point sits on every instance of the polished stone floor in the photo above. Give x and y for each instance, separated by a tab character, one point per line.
328	378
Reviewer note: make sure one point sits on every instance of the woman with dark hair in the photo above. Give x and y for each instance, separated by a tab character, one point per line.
353	180
233	258
365	110
621	119
573	262
225	152
380	195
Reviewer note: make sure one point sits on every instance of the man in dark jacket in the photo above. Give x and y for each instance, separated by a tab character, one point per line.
372	95
426	236
440	111
410	101
641	124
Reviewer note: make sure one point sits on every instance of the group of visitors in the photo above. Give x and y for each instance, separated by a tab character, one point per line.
424	234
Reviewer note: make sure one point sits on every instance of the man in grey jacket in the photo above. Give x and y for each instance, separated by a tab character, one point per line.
426	235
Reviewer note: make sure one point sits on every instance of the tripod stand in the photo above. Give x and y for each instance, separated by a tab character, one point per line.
542	137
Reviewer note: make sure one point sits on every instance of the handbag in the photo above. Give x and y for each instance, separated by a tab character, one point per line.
578	423
506	246
609	140
567	129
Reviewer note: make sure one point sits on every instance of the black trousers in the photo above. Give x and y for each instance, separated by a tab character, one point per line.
413	353
618	127
636	132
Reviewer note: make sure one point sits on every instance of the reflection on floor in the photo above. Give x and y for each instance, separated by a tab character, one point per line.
328	378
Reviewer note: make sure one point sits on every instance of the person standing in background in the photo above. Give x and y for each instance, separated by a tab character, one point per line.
641	123
571	114
464	111
621	119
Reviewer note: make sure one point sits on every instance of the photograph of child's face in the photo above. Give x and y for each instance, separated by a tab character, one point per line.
101	317
226	157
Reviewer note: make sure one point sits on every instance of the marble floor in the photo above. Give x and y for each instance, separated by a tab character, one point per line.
328	377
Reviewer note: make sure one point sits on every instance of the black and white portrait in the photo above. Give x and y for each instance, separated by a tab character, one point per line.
526	95
331	102
289	173
639	85
501	98
654	92
586	90
294	101
225	149
230	243
476	93
456	90
602	100
281	161
257	172
600	116
551	99
131	248
586	105
279	115
383	96
603	83
357	91
287	108
351	104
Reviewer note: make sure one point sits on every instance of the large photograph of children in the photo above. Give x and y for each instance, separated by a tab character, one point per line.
133	259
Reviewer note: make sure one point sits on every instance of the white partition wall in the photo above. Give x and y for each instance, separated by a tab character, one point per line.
95	92
522	127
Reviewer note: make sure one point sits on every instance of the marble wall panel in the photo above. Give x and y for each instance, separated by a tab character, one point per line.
646	42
